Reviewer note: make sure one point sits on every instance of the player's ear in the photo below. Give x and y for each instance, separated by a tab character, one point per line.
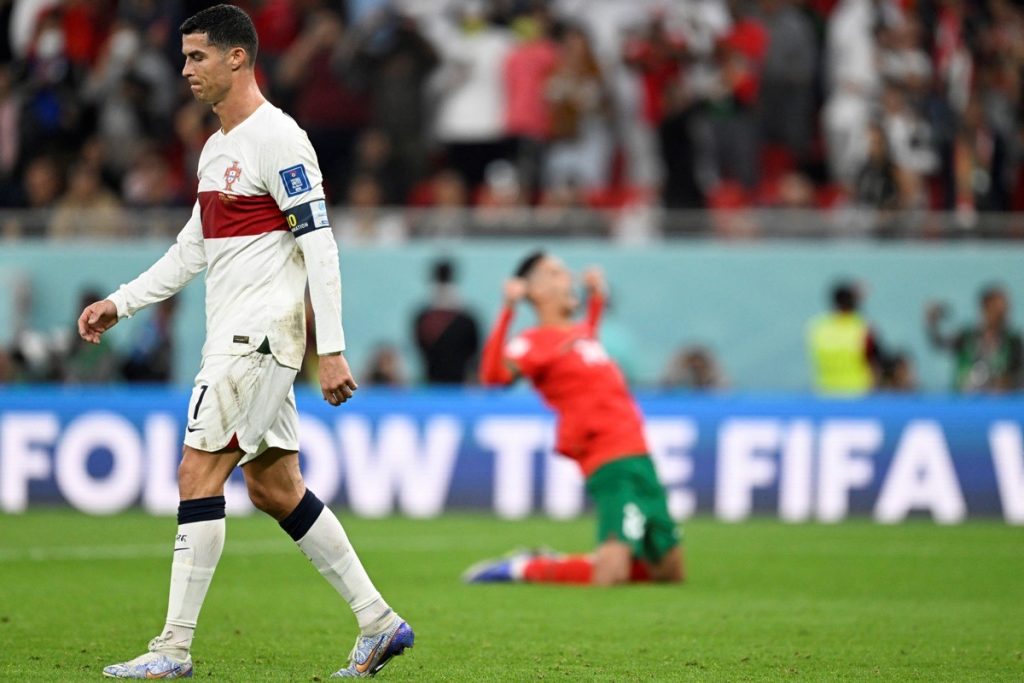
238	58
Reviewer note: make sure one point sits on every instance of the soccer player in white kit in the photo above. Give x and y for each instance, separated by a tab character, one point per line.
260	230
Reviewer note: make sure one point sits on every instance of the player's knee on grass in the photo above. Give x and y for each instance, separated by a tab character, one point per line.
612	563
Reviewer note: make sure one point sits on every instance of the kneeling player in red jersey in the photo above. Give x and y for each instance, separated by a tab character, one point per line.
599	426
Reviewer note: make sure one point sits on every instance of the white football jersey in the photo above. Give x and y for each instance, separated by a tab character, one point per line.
259	226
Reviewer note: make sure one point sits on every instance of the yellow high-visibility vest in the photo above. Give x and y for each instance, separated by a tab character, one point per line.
838	345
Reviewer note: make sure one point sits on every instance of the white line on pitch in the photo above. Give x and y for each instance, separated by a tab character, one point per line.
239	548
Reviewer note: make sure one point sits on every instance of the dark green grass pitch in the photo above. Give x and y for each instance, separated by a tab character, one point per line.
765	601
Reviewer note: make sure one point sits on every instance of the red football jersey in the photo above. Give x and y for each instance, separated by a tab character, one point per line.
598	420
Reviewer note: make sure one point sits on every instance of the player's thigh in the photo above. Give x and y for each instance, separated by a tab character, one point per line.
221	401
612	563
202	474
274	481
619	518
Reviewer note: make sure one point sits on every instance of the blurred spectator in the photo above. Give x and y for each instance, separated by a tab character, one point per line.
852	79
655	54
910	144
875	186
151	356
876	194
42	183
581	147
527	69
987	356
734	122
133	87
83	362
374	158
694	367
787	87
192	126
365	221
446	334
149	182
898	374
471	104
87	209
500	202
564	209
677	144
842	347
10	127
394	58
312	77
976	152
446	194
385	367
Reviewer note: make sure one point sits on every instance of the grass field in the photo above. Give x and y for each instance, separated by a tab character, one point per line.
765	601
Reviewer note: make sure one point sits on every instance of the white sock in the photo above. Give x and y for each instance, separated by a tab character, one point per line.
197	550
327	546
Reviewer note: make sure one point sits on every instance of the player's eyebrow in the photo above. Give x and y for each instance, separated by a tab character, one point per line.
194	53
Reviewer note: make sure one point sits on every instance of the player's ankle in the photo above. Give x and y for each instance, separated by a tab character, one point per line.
175	641
382	622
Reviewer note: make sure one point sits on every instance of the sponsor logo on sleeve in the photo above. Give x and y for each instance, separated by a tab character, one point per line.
295	180
319	211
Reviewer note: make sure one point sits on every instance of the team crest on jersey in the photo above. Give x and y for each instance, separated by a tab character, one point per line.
231	175
295	180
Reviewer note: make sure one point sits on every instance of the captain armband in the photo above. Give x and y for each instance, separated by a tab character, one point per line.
307	217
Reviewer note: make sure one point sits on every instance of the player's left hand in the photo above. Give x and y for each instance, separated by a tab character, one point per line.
593	280
336	380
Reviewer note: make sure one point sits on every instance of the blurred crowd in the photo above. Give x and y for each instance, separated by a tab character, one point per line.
874	109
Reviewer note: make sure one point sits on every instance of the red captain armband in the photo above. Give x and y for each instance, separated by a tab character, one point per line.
307	217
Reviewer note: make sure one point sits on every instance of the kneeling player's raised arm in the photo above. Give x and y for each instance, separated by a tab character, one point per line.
185	259
496	367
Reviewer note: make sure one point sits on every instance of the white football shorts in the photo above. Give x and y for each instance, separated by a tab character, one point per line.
248	398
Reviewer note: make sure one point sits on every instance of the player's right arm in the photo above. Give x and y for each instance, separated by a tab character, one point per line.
496	368
183	261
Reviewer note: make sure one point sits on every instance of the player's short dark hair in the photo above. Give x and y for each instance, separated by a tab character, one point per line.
527	265
990	292
443	272
844	296
226	27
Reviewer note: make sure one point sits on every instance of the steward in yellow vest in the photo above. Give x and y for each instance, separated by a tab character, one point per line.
841	347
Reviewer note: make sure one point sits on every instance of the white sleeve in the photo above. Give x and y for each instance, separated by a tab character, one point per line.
183	261
324	274
292	177
291	173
